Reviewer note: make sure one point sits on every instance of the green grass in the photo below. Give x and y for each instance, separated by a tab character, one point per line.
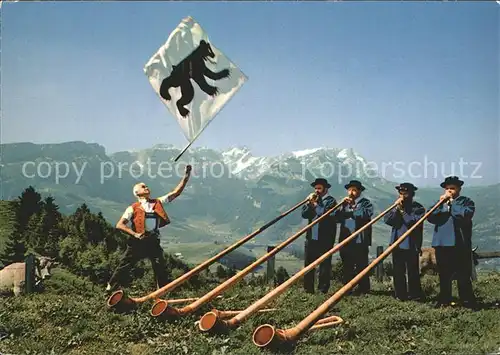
195	253
70	317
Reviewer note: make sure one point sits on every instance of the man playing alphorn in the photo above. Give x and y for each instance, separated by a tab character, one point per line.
321	237
452	241
356	212
405	258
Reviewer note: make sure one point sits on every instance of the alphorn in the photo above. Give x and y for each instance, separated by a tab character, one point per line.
210	321
183	300
120	301
267	336
161	307
229	314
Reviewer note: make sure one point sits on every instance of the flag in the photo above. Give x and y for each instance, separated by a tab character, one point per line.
192	77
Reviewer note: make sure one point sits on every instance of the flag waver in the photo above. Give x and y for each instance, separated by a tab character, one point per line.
193	78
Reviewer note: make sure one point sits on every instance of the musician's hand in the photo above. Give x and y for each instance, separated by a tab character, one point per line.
348	201
445	196
312	199
139	235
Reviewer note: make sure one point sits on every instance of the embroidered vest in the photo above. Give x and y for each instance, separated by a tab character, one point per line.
139	216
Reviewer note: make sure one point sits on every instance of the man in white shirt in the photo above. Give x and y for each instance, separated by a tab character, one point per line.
147	216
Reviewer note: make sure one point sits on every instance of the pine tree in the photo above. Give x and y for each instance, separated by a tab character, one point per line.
52	231
14	250
29	203
53	217
80	213
8	218
33	232
110	235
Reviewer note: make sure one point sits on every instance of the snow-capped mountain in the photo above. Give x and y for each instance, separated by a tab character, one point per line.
241	163
296	164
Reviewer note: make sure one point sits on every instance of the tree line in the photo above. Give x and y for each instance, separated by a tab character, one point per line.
83	242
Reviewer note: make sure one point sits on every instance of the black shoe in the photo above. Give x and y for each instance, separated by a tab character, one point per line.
415	298
355	293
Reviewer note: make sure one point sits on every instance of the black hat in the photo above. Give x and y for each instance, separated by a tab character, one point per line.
321	181
452	180
406	186
355	183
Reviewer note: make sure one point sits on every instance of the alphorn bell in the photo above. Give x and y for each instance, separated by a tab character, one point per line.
121	302
161	307
209	322
267	336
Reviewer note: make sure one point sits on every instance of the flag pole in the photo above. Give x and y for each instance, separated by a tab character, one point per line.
192	140
183	150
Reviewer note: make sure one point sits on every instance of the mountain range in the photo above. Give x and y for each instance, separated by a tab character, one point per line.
230	194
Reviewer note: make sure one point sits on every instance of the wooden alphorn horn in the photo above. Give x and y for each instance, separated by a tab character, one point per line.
267	336
209	321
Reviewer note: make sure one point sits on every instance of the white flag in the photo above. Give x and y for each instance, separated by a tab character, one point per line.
192	77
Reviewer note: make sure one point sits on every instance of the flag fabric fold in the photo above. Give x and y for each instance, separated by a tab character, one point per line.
192	77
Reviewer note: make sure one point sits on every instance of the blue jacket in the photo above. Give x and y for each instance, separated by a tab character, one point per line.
453	223
325	230
402	221
360	215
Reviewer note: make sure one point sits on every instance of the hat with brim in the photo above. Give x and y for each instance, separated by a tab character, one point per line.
406	186
321	181
355	183
452	180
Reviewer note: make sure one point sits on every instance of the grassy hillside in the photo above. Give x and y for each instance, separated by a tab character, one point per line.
70	318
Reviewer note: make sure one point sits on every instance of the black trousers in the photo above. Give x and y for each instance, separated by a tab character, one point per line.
354	259
138	249
406	261
313	250
454	262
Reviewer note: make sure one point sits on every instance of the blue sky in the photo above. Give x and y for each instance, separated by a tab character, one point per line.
394	81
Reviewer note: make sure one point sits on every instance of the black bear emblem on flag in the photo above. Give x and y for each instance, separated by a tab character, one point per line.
192	67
